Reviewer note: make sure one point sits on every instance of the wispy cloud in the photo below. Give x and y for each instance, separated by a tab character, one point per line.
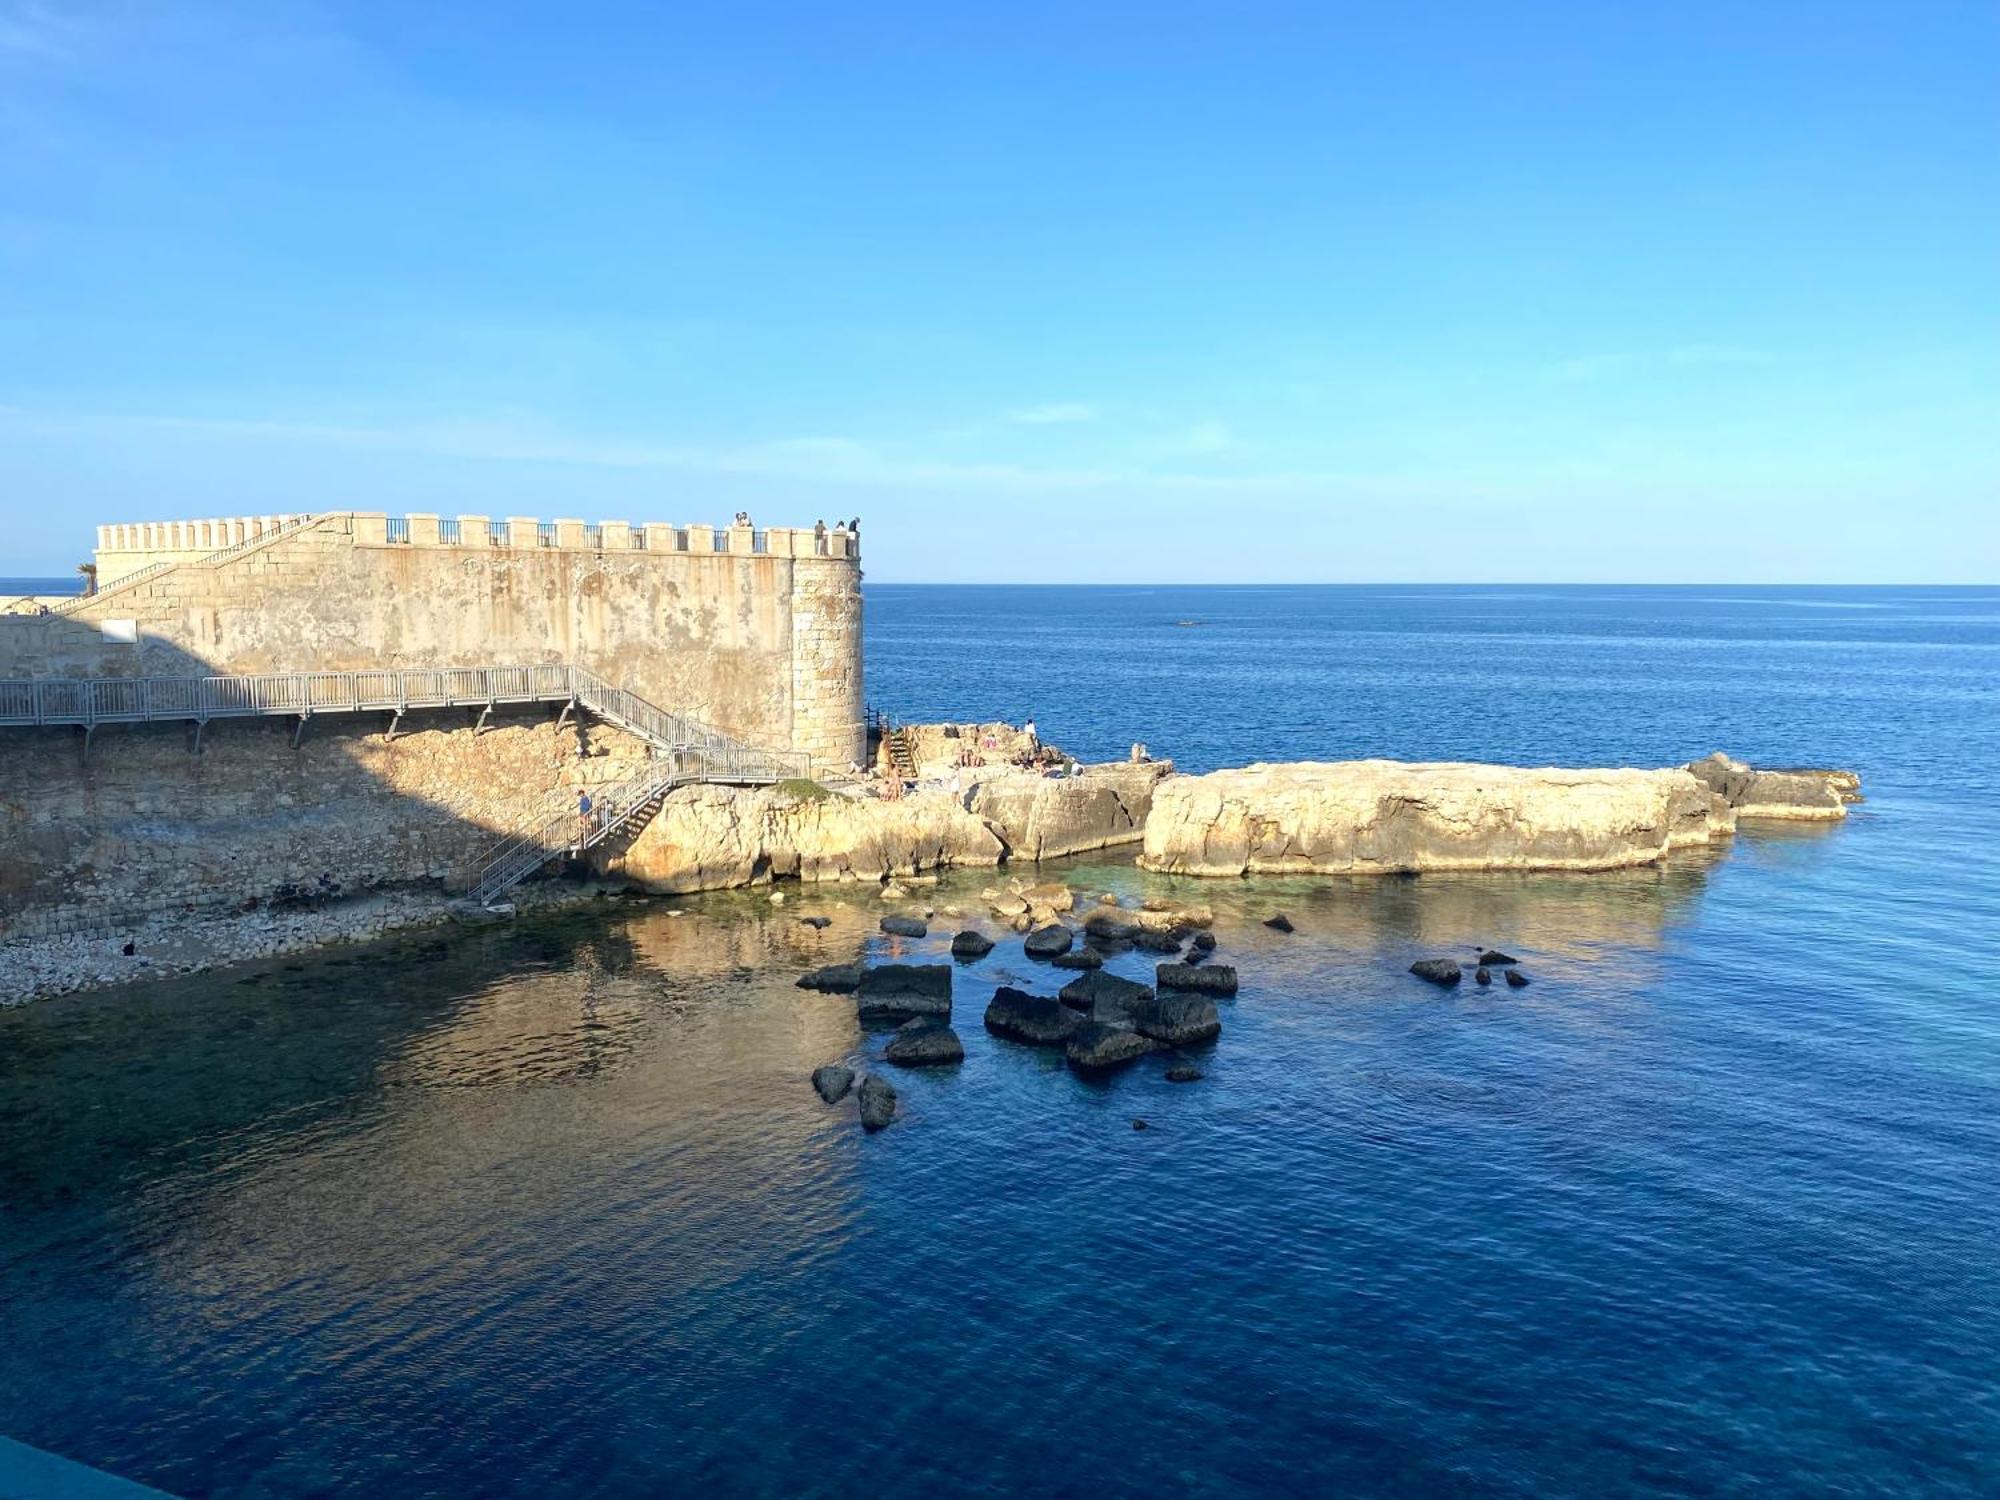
1053	413
819	459
1589	367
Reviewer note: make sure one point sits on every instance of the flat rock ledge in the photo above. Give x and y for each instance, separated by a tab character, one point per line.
1384	817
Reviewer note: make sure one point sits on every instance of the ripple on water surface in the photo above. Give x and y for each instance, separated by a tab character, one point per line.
551	1209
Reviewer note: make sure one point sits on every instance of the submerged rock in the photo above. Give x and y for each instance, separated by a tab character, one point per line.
893	991
1118	924
1209	979
1078	958
1179	1020
1280	923
925	1046
905	927
1097	1048
1035	1019
1156	942
833	979
832	1082
1494	959
1516	979
1482	975
1105	996
971	945
878	1102
1440	971
1183	1073
818	924
1204	942
1047	942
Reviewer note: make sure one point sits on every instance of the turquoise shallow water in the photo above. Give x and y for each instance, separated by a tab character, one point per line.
1707	1209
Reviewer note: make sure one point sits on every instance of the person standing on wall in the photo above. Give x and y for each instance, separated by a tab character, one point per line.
819	538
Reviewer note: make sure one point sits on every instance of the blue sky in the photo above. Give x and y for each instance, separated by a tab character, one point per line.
1068	292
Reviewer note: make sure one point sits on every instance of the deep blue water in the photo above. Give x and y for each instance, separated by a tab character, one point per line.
1710	1208
70	585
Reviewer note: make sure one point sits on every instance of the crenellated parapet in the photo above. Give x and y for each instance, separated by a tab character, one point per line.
125	548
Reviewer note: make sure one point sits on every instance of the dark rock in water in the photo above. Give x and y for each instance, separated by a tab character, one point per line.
1483	975
1205	941
1209	979
1105	995
971	945
1441	971
1047	942
1096	1048
904	927
1183	1073
1156	942
1078	958
832	1082
878	1102
1107	947
1035	1019
1140	1125
1517	979
893	991
1280	923
1179	1020
1194	956
1111	924
818	924
1492	959
927	1045
834	979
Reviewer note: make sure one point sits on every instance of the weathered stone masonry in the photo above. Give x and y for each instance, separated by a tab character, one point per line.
142	827
755	631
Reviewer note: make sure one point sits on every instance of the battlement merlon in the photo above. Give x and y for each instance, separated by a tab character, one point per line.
125	548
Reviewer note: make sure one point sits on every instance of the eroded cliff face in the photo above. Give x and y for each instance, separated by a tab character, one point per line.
711	838
1043	818
1391	817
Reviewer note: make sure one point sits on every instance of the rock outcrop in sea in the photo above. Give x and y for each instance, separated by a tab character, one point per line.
1392	817
716	838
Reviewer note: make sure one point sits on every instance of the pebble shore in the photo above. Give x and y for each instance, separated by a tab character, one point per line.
175	945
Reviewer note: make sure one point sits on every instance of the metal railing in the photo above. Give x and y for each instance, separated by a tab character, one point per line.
448	533
88	701
396	530
209	559
628	804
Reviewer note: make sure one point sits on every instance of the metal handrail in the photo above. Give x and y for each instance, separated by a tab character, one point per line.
614	808
208	559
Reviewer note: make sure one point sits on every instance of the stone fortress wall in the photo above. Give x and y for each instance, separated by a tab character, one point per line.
757	631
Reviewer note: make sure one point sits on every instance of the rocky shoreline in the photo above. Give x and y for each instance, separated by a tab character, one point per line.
1354	817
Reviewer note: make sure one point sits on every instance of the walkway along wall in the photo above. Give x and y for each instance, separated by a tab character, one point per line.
756	632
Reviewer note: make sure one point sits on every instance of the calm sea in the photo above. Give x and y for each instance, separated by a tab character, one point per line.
1709	1209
